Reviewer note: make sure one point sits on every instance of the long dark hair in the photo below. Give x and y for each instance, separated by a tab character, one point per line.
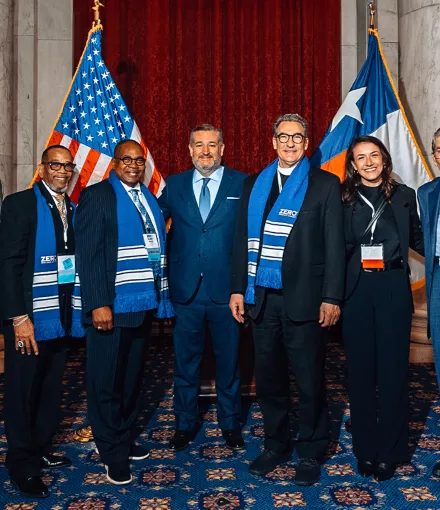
353	179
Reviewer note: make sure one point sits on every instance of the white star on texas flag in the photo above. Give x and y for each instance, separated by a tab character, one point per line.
349	107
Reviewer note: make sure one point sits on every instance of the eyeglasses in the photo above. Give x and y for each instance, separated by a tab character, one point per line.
296	137
56	166
127	160
436	154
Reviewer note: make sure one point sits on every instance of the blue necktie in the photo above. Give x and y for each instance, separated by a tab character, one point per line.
205	199
148	227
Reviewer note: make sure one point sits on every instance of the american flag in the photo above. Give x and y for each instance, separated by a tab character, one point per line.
93	119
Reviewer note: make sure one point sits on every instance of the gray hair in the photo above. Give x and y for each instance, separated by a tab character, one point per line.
434	138
206	127
291	117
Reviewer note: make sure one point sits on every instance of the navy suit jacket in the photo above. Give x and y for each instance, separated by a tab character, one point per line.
429	201
96	235
195	247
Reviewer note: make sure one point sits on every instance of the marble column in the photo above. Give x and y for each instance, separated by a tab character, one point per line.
388	26
43	53
6	77
419	47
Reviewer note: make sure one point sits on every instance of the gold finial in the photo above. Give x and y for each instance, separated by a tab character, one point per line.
95	9
372	7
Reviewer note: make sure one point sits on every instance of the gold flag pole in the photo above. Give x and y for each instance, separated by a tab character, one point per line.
95	9
372	7
85	434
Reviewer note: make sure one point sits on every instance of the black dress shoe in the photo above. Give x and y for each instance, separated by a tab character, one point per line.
54	461
233	439
32	487
365	468
348	426
436	470
384	471
267	462
308	472
180	440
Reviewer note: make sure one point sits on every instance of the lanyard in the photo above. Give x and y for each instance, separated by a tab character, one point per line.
373	211
280	184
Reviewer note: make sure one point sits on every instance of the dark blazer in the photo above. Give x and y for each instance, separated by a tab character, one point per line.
96	234
429	201
195	247
314	257
404	207
18	229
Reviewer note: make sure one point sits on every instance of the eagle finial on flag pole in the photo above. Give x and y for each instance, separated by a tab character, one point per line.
372	7
95	9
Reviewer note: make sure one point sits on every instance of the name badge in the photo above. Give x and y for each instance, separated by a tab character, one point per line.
66	268
372	256
152	247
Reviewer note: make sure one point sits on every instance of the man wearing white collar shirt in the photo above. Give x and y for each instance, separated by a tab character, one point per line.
288	268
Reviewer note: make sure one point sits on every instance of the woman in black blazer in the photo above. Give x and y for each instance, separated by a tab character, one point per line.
378	305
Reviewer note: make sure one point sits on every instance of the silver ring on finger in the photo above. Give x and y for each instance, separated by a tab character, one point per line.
20	344
99	328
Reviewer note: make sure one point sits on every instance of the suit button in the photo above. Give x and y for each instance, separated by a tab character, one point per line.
203	230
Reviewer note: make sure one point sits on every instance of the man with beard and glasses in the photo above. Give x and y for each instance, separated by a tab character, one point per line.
40	306
203	204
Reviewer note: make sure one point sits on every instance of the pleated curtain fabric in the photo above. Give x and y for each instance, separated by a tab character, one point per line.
237	64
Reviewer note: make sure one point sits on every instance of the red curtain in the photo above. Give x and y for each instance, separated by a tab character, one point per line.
237	64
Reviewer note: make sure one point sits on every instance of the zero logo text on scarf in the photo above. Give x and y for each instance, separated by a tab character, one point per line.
277	228
45	296
135	286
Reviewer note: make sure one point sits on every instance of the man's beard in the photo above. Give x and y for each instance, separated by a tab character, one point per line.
57	190
206	169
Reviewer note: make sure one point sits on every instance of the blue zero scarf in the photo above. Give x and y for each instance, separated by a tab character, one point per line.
277	228
134	285
46	305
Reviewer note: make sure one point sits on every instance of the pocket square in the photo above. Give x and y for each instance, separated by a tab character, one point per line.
232	198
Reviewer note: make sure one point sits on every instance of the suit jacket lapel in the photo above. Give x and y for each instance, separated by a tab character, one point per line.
225	184
400	210
187	194
433	212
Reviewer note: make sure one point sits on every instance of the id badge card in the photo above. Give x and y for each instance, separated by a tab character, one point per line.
152	246
372	256
66	268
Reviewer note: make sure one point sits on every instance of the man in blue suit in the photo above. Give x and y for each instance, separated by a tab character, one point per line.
203	205
429	201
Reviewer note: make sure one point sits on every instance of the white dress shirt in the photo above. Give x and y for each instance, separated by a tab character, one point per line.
142	200
213	184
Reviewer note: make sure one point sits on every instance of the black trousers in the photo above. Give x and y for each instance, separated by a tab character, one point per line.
33	386
278	340
376	329
115	367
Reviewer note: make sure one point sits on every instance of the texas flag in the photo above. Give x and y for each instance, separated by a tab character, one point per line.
373	107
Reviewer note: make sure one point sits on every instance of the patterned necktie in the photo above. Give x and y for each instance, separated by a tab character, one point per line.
205	199
148	225
61	206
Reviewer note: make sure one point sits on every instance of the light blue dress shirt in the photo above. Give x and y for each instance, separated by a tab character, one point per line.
213	184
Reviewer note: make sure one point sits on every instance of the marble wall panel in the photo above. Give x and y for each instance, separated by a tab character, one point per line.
55	19
419	43
54	60
24	17
6	73
24	174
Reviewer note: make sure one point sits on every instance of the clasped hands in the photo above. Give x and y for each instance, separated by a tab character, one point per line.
328	314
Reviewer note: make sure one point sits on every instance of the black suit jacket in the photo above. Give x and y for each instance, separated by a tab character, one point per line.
96	234
404	207
314	257
18	229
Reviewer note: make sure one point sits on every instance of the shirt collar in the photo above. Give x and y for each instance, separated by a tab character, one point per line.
286	171
128	188
52	192
215	176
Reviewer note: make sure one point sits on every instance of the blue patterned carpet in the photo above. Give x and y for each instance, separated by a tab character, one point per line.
209	476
